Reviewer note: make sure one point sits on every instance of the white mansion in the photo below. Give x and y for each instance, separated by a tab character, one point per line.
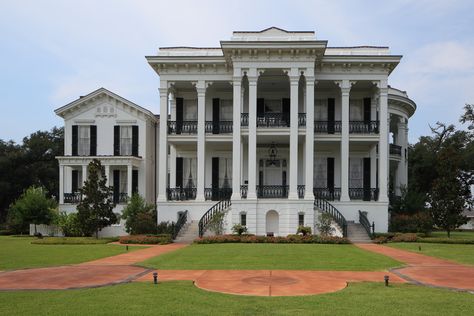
272	126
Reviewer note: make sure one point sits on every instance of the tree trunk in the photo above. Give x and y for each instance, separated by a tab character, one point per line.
97	234
35	229
449	233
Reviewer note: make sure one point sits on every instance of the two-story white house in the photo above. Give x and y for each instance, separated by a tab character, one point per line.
272	126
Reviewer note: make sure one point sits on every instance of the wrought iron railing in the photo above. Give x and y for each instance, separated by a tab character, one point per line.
219	207
122	198
182	127
301	119
217	194
369	194
326	207
364	221
364	127
327	127
330	194
183	218
300	188
273	120
395	150
244	119
72	198
272	191
221	127
243	191
181	194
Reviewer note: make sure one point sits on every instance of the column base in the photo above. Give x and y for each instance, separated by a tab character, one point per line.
251	195
383	198
161	198
200	198
345	198
235	196
293	196
309	197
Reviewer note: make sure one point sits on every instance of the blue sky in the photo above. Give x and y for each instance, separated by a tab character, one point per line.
53	51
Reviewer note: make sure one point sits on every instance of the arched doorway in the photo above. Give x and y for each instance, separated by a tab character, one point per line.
272	223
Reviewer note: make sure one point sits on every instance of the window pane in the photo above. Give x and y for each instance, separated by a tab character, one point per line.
84	140
126	140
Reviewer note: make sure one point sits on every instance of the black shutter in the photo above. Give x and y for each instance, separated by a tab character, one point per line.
116	140
215	115
260	106
75	138
285	110
135	140
330	174
331	115
179	115
367	102
215	178
116	186
93	143
179	172
75	180
366	179
134	181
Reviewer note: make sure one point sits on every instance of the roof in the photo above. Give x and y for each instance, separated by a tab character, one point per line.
97	93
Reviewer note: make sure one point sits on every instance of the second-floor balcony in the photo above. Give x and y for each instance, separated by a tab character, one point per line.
395	150
219	127
363	127
76	198
182	127
273	119
334	194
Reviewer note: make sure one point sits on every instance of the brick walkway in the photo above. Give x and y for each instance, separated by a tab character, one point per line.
428	270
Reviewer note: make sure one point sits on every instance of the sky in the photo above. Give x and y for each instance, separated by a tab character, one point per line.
51	52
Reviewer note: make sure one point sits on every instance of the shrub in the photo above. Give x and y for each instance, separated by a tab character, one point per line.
239	229
420	222
165	228
73	241
380	240
408	237
216	224
140	217
304	230
290	239
325	224
161	239
447	241
69	224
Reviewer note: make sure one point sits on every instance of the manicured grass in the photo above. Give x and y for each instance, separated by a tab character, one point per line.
19	253
272	256
454	235
182	298
455	252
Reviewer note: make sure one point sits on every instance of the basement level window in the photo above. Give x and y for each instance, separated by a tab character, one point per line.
301	219
243	219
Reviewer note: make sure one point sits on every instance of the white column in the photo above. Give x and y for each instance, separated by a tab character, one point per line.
309	161
61	184
201	139
172	160
236	138
345	92
252	143
107	175
294	81
383	141
402	170
84	173
129	180
163	143
373	166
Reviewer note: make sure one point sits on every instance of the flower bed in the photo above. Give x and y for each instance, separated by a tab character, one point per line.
162	239
72	241
412	237
290	239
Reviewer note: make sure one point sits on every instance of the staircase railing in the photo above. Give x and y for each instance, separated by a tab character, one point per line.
327	207
207	217
183	218
364	221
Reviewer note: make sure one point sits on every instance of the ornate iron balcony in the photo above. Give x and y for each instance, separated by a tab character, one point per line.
330	194
301	189
301	119
182	127
221	127
217	194
370	194
244	119
72	198
181	194
327	127
395	150
273	120
363	127
272	191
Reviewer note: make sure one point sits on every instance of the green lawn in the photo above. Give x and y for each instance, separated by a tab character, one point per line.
272	256
19	253
455	252
182	298
454	235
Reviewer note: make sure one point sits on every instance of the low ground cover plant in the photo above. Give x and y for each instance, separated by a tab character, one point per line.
161	239
382	238
73	241
290	239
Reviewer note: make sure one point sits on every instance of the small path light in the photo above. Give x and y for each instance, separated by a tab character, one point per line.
126	247
419	248
155	277
386	278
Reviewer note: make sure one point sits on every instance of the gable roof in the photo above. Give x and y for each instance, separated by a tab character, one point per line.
274	28
99	93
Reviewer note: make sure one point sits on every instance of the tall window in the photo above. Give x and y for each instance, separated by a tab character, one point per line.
126	140
123	181
301	219
355	173
84	141
355	110
320	110
320	172
243	219
226	110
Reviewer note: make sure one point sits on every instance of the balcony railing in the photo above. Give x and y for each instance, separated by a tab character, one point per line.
329	194
364	127
220	127
181	194
243	191
395	150
327	127
244	119
369	194
217	194
76	198
272	191
300	188
182	127
273	120
301	119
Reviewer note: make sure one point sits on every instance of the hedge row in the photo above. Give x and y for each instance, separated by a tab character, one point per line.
411	237
72	241
290	239
161	239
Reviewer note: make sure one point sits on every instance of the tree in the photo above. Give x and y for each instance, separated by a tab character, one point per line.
140	217
95	211
33	207
324	224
